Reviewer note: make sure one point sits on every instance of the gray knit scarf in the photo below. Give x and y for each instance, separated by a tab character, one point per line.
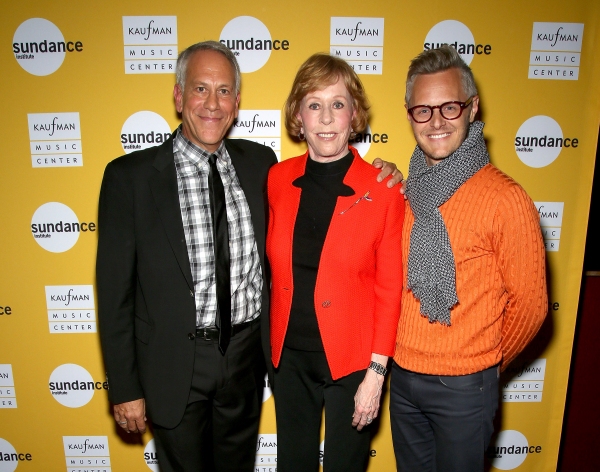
431	269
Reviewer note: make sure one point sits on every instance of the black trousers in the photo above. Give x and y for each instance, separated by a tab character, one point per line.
220	426
442	423
302	387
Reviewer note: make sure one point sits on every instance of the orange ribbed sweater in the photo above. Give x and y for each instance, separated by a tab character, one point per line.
500	281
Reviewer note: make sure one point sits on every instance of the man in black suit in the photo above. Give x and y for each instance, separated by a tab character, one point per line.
156	278
160	314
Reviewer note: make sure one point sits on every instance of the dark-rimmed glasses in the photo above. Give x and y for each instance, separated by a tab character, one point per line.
448	110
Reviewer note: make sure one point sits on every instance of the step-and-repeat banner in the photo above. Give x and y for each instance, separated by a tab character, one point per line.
85	82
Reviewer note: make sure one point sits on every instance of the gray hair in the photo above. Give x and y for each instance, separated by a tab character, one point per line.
439	60
184	57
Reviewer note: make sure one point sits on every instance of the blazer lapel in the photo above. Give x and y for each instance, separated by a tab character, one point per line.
164	190
353	179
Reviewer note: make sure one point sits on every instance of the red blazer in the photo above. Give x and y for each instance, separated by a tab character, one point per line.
359	282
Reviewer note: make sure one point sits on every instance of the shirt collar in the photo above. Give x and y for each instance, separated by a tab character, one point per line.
194	154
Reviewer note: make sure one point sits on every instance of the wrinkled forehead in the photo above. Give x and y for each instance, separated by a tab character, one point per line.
208	61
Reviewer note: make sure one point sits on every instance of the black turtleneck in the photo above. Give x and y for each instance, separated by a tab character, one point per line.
321	184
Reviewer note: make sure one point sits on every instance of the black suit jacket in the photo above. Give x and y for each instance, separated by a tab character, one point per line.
146	307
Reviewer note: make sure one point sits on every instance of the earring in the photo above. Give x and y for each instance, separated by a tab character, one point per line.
301	135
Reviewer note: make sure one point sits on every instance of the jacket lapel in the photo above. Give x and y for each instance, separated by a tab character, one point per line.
353	179
163	185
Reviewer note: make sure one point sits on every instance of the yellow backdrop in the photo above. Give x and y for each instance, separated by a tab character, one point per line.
85	82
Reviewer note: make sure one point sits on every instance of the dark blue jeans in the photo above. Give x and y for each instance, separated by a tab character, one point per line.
442	423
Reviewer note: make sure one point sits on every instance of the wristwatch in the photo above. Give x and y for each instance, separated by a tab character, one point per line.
381	370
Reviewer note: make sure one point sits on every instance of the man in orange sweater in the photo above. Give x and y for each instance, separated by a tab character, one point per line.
474	276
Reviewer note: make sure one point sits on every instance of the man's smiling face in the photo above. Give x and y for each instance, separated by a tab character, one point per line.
438	138
209	102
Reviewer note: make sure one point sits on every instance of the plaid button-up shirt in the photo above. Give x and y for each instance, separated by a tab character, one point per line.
191	163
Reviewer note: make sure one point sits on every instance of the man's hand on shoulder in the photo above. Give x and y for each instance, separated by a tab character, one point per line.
389	168
131	416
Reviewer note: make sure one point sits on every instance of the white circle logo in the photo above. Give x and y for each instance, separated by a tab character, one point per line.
363	146
39	46
510	450
150	457
71	385
142	130
321	452
267	392
55	227
539	141
10	464
250	41
455	34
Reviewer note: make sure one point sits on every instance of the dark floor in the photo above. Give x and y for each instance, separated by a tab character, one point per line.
579	448
579	445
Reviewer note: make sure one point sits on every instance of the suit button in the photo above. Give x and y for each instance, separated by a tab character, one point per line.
326	304
191	293
191	336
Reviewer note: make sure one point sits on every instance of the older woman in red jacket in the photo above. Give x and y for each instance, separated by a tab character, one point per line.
334	249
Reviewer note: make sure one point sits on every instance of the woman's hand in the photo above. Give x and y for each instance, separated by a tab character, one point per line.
368	396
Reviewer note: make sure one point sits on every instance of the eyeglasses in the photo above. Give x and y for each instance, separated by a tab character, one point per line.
448	110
